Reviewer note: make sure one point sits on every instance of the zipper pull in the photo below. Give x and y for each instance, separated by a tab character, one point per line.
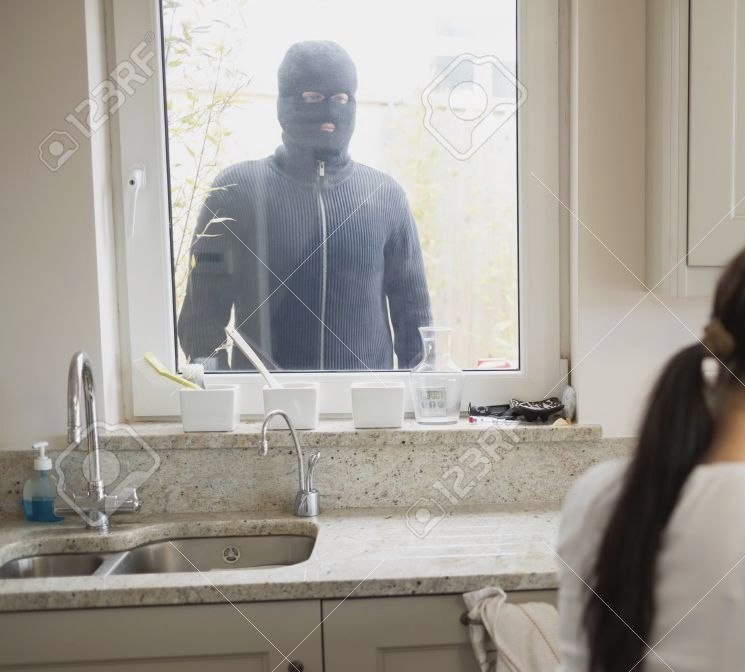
321	168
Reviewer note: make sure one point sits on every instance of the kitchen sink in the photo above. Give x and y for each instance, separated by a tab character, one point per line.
199	554
63	564
207	554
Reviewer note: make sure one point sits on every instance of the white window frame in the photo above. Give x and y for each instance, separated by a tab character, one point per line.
146	301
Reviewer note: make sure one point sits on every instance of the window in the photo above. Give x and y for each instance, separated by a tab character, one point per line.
326	267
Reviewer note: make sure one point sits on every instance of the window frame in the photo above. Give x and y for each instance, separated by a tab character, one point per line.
146	309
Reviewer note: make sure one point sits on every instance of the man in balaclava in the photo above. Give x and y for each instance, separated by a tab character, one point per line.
316	106
312	250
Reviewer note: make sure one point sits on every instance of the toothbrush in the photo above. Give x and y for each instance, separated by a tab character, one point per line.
247	350
194	373
160	368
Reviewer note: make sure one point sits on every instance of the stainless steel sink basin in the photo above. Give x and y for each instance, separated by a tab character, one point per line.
207	554
63	564
199	554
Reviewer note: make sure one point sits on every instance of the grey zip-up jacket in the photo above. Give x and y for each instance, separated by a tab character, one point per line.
313	258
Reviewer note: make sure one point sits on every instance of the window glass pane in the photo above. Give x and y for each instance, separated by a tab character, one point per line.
339	178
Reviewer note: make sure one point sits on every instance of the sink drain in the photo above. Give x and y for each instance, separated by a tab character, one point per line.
231	554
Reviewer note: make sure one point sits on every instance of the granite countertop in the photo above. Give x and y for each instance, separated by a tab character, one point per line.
330	433
358	553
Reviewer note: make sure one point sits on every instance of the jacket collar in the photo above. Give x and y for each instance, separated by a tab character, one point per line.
301	165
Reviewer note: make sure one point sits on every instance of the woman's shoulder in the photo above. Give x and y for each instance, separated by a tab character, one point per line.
601	479
720	485
589	502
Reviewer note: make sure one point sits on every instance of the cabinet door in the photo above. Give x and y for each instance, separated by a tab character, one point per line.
402	634
248	637
716	215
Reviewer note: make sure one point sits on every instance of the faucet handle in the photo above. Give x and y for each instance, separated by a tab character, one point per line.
312	462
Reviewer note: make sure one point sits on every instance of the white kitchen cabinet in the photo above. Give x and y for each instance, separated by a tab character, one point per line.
716	210
388	634
695	145
164	639
403	634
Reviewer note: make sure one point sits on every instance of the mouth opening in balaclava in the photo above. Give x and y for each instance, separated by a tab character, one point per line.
320	67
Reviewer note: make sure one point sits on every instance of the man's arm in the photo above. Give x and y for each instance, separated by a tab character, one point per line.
406	289
210	287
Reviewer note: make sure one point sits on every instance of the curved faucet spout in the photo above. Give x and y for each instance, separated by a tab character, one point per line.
306	499
96	506
81	395
264	445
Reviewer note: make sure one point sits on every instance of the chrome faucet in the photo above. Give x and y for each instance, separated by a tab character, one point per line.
306	499
96	506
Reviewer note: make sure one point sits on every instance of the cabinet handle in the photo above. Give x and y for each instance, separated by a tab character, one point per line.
296	666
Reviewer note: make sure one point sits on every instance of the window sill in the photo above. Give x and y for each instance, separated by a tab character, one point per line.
334	433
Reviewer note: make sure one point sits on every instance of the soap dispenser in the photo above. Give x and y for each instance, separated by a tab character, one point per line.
40	491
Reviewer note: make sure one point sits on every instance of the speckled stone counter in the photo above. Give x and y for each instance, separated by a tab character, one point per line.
456	465
342	433
359	552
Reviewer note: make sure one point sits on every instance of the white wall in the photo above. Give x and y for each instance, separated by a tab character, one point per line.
613	376
50	280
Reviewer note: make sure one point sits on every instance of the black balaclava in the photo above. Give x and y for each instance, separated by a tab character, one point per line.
323	67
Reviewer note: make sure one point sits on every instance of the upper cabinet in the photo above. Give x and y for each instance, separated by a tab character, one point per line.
695	163
716	154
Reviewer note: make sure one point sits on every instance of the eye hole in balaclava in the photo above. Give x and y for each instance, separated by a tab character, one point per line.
323	122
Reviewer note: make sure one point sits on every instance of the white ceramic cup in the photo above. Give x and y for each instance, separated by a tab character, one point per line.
301	401
377	405
216	409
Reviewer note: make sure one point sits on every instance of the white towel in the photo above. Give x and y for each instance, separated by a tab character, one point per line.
513	637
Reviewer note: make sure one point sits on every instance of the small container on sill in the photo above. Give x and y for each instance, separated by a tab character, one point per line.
299	400
215	409
437	381
378	405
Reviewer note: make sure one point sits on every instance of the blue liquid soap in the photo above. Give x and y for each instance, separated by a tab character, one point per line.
40	511
40	491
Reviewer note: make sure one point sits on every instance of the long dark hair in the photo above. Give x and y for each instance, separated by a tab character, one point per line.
677	431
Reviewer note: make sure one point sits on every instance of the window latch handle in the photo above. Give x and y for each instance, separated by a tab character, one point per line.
135	182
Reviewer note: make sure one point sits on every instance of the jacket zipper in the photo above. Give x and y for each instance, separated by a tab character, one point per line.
324	253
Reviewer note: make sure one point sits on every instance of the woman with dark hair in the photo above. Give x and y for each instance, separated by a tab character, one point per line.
652	552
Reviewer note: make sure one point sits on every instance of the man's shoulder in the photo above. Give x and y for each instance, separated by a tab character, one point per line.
243	172
377	179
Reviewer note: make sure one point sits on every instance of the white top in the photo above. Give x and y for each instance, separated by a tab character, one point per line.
700	592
